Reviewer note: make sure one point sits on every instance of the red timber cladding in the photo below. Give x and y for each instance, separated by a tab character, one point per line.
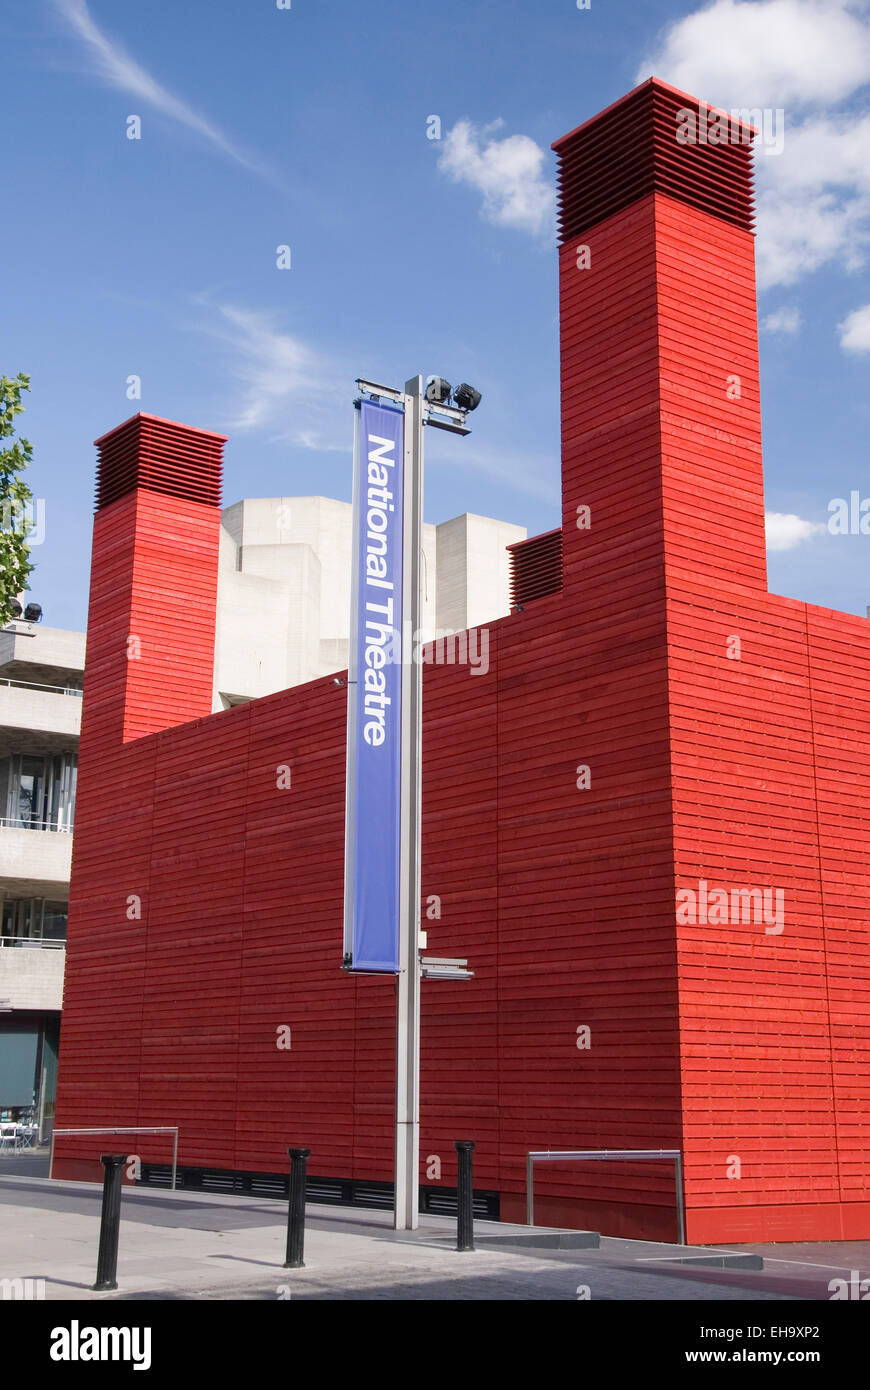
586	911
839	660
585	874
460	1050
111	855
611	457
106	951
154	576
759	1056
771	790
240	934
172	609
754	1026
240	882
562	897
149	665
712	478
194	911
724	1040
114	543
753	1010
290	972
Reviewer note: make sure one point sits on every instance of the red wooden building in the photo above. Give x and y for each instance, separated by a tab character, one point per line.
725	732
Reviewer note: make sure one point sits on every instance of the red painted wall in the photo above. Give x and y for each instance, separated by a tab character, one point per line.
739	766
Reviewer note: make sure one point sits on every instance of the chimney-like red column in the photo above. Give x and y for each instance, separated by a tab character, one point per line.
661	429
151	625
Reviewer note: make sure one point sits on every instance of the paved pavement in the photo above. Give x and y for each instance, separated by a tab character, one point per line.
191	1246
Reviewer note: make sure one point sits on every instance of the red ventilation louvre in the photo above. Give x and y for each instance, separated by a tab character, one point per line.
159	456
631	149
536	567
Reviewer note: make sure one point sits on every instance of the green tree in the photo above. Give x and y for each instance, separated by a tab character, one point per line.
16	499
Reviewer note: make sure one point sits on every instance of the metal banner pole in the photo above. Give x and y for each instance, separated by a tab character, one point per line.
407	1171
383	936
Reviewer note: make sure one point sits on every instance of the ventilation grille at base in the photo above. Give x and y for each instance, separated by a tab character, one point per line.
333	1192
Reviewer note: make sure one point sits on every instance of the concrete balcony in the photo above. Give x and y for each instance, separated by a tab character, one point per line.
47	655
31	975
34	863
40	709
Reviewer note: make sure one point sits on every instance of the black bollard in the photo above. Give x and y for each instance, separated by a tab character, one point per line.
464	1195
296	1213
110	1221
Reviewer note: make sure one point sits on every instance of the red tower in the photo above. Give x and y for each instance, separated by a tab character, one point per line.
646	825
150	663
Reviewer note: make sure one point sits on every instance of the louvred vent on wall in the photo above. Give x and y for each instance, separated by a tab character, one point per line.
632	149
536	567
159	456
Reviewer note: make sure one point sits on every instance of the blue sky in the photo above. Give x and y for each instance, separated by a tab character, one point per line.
307	127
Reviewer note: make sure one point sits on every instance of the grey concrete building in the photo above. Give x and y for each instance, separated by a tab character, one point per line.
41	672
284	589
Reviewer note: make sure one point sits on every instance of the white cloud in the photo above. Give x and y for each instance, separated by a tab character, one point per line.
814	199
116	66
785	530
855	330
807	57
784	320
512	174
285	386
827	149
770	52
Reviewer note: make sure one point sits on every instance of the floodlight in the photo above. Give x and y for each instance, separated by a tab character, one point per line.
466	397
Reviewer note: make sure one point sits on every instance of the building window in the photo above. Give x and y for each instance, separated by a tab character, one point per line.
28	921
39	791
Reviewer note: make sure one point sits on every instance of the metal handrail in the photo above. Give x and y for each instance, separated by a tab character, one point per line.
37	685
44	942
125	1129
19	823
591	1155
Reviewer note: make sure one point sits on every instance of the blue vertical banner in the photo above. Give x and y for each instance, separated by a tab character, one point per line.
374	745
